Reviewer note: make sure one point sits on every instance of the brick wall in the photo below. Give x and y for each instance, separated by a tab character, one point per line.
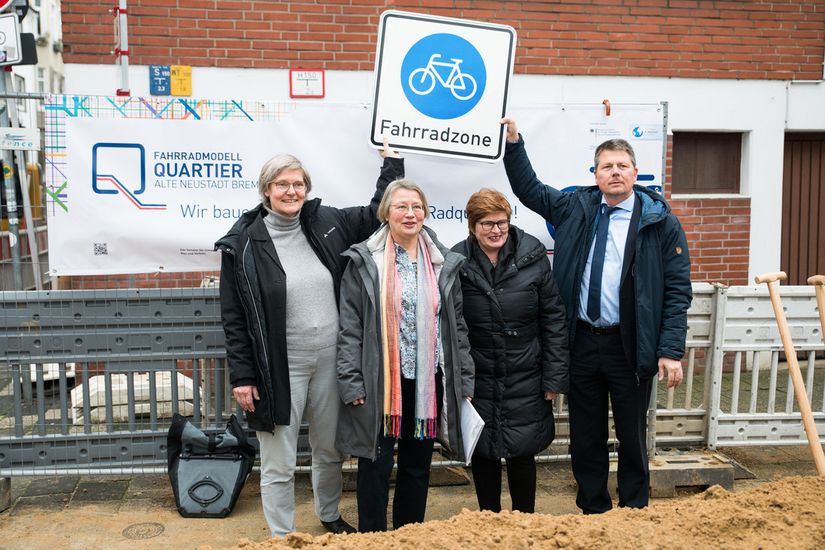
718	233
780	39
135	280
717	230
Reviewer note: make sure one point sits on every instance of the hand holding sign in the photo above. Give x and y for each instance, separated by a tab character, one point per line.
512	130
385	151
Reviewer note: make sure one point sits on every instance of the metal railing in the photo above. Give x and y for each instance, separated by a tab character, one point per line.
90	379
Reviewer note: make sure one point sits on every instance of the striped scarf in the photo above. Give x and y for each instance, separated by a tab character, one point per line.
426	340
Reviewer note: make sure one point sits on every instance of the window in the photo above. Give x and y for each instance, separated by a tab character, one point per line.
706	162
41	79
20	86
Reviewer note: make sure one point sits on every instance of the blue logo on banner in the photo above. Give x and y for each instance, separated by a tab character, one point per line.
120	169
443	76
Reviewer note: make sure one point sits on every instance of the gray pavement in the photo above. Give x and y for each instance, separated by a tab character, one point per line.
139	511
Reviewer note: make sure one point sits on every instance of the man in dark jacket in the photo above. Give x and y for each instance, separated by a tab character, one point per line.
621	262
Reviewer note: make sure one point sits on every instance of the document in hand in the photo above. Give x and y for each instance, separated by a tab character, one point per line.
471	426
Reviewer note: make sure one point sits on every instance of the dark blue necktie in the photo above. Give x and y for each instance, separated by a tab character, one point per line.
594	293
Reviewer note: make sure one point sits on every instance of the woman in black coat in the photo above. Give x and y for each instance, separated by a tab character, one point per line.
518	342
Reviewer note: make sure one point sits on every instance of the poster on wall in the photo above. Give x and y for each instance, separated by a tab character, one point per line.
145	185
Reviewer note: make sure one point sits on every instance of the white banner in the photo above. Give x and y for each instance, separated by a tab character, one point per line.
133	194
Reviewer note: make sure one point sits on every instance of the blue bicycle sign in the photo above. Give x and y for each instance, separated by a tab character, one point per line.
423	80
443	76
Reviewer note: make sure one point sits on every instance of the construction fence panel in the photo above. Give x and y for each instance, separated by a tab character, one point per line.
89	379
753	396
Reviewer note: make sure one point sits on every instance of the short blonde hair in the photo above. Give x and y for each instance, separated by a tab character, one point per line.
384	208
273	168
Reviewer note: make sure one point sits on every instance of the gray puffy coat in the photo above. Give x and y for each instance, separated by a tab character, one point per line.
360	373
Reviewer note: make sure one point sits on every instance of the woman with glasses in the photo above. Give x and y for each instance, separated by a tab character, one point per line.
280	275
403	357
518	342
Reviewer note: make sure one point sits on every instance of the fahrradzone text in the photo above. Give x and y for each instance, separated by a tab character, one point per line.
446	135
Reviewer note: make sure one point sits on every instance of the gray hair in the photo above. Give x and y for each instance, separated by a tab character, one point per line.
273	168
384	208
614	145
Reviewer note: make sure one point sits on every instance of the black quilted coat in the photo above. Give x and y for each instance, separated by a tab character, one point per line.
518	342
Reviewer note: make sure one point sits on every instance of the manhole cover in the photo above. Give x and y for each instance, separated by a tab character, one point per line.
140	531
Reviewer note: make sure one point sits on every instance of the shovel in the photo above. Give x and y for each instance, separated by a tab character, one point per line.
772	279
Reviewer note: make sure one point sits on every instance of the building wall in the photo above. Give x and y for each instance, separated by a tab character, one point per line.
754	67
777	40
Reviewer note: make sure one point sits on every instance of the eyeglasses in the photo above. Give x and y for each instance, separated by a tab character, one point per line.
283	186
503	225
404	208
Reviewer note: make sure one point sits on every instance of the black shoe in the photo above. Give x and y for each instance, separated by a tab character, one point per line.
338	526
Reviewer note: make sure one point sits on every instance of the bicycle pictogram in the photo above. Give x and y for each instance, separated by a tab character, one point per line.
422	81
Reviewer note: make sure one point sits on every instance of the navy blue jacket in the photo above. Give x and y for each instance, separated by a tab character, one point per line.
655	291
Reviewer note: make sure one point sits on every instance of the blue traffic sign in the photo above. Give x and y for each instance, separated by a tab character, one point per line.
443	76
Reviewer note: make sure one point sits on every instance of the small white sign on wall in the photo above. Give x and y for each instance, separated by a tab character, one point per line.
441	85
306	83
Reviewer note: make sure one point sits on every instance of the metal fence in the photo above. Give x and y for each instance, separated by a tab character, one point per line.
90	379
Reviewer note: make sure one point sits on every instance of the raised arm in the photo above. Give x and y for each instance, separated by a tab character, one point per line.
363	220
542	199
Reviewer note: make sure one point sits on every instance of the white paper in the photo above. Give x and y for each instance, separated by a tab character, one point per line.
471	426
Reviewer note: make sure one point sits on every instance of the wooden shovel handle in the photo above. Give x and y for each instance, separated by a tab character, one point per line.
770	277
816	280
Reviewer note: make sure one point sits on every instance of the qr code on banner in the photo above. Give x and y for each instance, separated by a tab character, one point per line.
101	249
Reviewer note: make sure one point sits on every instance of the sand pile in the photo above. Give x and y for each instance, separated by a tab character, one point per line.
787	514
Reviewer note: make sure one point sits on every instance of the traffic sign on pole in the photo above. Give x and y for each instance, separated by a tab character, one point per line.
10	51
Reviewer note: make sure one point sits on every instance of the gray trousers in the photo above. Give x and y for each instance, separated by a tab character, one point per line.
313	387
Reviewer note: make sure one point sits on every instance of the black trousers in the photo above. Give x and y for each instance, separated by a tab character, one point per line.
412	481
521	478
599	369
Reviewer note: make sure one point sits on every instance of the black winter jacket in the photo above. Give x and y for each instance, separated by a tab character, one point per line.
518	342
253	291
655	291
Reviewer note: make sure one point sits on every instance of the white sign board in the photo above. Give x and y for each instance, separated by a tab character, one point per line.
441	85
10	51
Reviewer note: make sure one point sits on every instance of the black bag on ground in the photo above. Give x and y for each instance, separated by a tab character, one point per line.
207	471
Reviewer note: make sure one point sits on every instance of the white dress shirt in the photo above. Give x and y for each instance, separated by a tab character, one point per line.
612	273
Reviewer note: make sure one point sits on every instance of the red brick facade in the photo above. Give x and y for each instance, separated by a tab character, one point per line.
718	233
755	39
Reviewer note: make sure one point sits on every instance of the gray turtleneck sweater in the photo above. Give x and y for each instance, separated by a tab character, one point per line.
311	310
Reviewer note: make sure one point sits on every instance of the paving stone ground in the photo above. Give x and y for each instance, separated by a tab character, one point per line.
139	511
